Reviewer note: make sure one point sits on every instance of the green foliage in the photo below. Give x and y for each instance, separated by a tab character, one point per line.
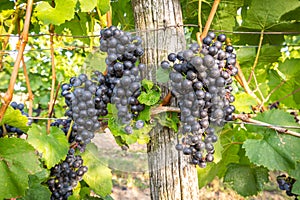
151	95
53	146
244	153
168	119
245	179
15	118
17	161
37	191
103	5
243	102
281	150
63	10
98	176
138	135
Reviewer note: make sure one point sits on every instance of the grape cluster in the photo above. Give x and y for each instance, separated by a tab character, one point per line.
12	129
286	183
123	76
65	176
201	82
80	97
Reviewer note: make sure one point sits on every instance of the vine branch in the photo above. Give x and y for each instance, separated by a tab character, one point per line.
257	55
242	80
246	118
51	102
210	18
24	38
30	94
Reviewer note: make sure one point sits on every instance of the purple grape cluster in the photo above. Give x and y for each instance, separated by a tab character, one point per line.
65	176
201	82
123	72
286	183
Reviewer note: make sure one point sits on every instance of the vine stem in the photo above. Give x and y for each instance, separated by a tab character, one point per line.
210	18
242	80
261	38
30	94
108	18
246	118
24	38
52	101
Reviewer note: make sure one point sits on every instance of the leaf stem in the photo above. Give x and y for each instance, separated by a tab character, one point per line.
24	38
242	80
257	55
30	94
51	102
70	130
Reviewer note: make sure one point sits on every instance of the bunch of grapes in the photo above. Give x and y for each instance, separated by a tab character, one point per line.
12	129
80	97
200	81
123	76
286	183
65	176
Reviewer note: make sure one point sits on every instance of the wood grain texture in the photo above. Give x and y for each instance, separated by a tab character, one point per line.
171	176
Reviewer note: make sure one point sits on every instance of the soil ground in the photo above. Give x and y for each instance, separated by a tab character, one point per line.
131	180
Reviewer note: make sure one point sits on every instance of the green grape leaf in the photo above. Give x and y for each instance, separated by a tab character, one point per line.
6	5
53	146
87	6
149	98
145	114
36	190
266	14
147	84
289	72
17	161
78	26
64	10
138	135
98	176
271	151
15	118
103	5
243	102
123	14
268	148
162	75
245	179
169	120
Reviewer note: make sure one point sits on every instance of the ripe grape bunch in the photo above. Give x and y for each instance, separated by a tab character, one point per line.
81	98
65	176
124	77
286	183
200	81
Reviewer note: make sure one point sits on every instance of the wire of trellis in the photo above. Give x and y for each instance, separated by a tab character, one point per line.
232	122
163	28
72	48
